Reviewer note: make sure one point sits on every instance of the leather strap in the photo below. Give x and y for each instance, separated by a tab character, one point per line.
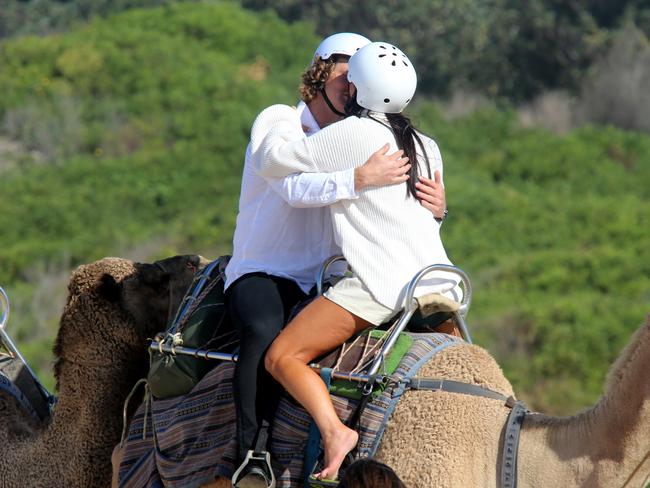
201	286
454	387
513	423
330	104
511	445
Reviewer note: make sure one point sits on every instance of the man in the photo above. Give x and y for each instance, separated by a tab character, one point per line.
283	235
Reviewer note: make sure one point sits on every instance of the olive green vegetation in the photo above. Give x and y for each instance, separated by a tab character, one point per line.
555	232
540	44
464	44
136	128
137	125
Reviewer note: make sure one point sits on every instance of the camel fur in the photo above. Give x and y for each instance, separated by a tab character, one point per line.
438	439
113	307
448	440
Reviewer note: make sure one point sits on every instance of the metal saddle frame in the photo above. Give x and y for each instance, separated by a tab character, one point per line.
14	366
411	306
371	377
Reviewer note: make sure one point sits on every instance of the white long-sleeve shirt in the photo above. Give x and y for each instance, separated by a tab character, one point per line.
283	227
386	236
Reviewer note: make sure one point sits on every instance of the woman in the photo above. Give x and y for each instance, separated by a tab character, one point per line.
385	235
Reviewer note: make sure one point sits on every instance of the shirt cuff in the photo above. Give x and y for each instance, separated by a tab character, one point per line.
345	185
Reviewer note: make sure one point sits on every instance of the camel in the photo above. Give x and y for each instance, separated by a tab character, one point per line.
113	307
451	440
434	439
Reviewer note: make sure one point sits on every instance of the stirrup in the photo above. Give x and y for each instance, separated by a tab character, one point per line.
256	464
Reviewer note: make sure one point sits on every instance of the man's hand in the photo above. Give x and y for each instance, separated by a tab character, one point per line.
382	169
432	195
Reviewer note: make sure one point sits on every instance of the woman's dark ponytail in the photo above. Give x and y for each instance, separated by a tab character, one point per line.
406	137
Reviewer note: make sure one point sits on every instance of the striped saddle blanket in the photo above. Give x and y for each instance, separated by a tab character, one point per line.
190	440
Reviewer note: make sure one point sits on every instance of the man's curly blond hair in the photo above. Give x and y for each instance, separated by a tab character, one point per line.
314	78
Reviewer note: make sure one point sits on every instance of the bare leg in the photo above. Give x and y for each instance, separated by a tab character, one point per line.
320	327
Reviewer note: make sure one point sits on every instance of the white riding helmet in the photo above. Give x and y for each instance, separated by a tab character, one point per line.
384	77
346	43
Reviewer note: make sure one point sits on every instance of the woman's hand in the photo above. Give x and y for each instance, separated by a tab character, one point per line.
432	194
382	169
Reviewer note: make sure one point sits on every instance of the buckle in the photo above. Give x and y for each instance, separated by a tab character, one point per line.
255	471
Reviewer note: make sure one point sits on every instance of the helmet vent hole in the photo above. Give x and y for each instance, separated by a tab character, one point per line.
382	55
386	100
404	63
393	63
408	100
382	47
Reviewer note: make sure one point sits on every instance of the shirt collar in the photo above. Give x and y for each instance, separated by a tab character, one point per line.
309	124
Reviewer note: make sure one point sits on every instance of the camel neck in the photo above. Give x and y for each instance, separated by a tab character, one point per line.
605	446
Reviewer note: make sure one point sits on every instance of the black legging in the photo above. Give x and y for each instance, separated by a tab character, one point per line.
259	305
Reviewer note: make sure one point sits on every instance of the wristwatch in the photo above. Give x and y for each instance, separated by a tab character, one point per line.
444	216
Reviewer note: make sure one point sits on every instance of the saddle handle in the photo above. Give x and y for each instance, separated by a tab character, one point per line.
410	290
411	305
4	305
320	280
6	341
410	302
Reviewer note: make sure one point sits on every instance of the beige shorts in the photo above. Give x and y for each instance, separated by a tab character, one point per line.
351	294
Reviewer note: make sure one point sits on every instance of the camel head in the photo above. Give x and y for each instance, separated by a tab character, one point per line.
115	306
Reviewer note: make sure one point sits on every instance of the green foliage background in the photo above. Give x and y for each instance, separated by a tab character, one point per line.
502	48
136	125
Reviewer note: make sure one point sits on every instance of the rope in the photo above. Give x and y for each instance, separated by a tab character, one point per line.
126	406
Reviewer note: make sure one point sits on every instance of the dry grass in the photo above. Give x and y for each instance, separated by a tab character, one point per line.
617	91
554	111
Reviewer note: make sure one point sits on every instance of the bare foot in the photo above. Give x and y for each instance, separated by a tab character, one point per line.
337	446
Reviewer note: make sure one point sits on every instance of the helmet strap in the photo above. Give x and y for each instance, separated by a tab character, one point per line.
329	103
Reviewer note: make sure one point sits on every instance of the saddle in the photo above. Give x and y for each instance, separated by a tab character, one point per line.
190	439
361	367
357	354
202	330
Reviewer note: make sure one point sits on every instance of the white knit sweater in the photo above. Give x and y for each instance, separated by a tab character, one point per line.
386	236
